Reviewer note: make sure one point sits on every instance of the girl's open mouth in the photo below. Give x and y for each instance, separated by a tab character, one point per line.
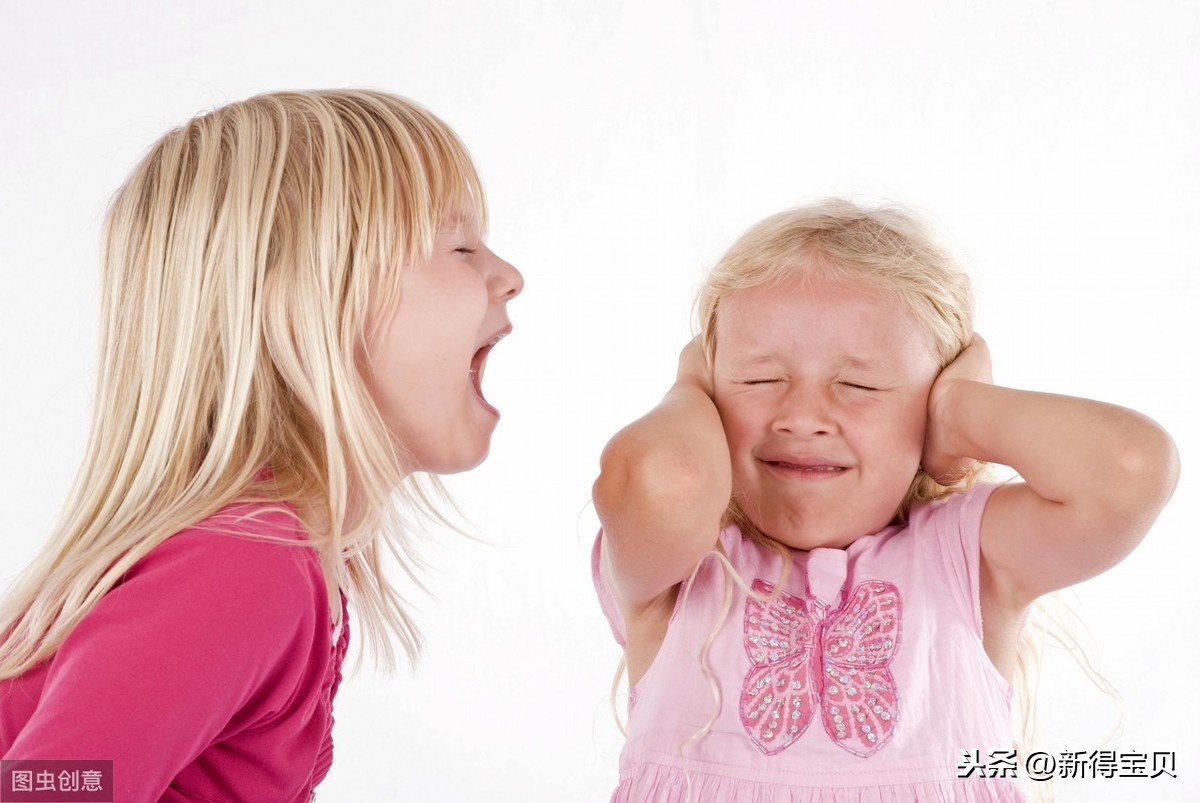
478	364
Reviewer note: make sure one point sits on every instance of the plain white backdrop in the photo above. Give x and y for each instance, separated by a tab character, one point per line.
624	145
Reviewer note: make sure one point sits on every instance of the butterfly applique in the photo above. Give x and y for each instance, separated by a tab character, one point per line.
801	661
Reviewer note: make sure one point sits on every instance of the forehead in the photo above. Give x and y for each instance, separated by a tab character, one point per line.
463	217
820	318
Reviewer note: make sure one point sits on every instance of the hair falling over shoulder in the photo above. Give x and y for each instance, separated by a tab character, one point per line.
244	261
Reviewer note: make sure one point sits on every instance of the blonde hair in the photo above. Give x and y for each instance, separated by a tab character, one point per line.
245	261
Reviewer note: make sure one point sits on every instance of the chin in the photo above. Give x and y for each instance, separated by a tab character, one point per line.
452	458
797	534
806	542
469	464
456	464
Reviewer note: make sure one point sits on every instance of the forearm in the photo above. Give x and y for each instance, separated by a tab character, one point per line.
1068	450
664	483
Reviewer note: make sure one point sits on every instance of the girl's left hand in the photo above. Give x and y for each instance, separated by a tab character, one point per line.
940	459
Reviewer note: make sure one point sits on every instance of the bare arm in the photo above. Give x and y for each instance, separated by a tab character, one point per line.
664	484
1095	478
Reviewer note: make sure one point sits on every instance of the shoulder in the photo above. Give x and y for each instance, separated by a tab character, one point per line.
957	515
947	540
945	534
248	569
222	628
258	544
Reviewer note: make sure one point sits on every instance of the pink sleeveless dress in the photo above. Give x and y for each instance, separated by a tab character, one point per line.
863	678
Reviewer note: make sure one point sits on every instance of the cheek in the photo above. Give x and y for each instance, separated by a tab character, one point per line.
903	428
915	418
743	423
890	437
409	383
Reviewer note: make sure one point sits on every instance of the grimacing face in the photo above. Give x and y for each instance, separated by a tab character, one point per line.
822	387
425	369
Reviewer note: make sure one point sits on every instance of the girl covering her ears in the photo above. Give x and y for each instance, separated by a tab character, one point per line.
297	309
819	447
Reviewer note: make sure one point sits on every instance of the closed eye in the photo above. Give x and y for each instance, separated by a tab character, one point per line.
464	250
857	386
759	381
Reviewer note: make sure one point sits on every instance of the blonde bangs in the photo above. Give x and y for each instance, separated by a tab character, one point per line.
413	167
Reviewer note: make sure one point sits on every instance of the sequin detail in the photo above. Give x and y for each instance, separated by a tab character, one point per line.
800	661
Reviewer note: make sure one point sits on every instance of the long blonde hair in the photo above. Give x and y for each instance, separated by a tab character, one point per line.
244	262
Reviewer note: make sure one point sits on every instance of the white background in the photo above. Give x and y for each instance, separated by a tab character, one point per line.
625	144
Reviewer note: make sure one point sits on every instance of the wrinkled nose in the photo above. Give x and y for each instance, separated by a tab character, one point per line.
805	412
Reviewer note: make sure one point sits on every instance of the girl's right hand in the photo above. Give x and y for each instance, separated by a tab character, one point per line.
941	460
694	368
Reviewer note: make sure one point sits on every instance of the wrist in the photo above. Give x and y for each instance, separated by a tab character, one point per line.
946	400
949	408
690	382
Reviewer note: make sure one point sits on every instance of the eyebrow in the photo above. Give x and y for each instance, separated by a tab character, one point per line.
864	365
759	357
758	361
455	219
755	358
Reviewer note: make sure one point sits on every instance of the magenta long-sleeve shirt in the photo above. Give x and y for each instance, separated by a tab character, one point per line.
208	673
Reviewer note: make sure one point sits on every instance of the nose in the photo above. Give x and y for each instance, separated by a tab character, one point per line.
805	412
505	281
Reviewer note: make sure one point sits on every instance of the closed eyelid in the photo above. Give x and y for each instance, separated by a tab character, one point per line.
763	381
878	387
